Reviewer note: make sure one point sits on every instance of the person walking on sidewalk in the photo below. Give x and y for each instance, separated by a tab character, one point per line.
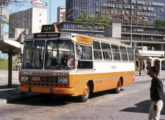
156	94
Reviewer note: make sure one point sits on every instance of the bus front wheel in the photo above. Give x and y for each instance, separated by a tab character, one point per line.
86	93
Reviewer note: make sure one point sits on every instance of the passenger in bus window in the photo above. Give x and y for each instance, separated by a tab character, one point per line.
156	94
71	62
64	60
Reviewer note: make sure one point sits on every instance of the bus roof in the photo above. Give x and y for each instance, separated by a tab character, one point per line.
73	36
111	41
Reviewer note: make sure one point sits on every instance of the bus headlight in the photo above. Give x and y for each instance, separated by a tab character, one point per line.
24	79
63	80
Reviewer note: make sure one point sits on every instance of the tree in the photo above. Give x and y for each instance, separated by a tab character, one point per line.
160	24
88	20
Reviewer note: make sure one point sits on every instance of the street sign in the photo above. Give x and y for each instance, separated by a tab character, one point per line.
38	3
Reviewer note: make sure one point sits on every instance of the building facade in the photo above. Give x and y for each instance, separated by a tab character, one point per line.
61	14
30	20
141	11
4	15
136	17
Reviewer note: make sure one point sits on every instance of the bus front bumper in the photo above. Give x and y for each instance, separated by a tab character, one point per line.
44	90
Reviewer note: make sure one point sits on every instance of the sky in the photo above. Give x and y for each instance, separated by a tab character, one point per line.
54	5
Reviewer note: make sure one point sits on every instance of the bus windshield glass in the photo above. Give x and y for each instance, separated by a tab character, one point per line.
33	55
59	54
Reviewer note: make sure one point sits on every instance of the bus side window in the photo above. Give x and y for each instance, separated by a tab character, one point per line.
85	57
123	53
106	51
97	50
116	52
130	54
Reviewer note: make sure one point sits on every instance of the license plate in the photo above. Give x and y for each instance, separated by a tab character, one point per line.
35	79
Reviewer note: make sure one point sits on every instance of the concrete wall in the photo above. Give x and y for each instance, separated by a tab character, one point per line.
31	19
114	31
41	15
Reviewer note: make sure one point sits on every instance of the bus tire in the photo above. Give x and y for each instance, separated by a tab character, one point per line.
86	93
118	87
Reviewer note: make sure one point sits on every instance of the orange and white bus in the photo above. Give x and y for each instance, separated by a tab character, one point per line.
73	64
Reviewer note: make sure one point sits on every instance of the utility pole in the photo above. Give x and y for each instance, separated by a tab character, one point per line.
1	19
131	21
50	12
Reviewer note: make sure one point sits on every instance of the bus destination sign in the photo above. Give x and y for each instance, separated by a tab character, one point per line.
48	28
46	35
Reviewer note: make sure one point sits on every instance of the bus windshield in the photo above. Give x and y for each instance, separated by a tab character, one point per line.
33	55
59	54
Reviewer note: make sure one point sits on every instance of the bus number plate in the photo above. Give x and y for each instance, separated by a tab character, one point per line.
113	67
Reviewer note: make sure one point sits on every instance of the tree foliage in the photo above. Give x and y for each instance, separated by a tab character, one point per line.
160	24
88	20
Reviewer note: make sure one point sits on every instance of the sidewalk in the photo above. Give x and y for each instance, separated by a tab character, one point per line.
4	77
145	77
5	92
10	93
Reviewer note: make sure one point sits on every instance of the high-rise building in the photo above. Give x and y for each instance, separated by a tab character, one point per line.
141	11
61	14
30	20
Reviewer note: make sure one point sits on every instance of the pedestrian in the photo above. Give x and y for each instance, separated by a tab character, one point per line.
156	94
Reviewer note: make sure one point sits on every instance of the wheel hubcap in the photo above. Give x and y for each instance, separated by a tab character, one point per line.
86	92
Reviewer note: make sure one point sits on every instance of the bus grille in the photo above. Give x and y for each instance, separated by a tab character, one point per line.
42	84
46	81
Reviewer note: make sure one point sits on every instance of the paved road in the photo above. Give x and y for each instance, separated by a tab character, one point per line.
131	104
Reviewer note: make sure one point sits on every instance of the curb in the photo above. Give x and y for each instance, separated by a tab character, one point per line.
3	102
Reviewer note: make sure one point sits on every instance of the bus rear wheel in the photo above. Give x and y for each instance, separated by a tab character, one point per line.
119	85
86	93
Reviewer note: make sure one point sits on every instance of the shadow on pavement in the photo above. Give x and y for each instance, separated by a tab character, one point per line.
7	93
35	99
13	96
143	107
